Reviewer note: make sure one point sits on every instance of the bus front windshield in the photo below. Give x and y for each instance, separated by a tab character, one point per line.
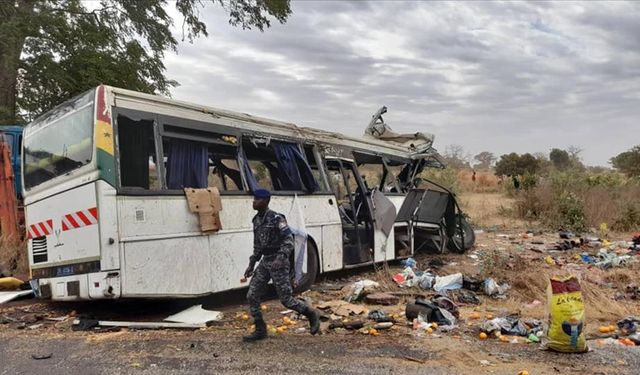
59	142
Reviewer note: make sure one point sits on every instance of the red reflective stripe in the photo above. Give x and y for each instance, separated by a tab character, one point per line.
72	221
94	212
43	227
83	217
64	226
35	231
50	224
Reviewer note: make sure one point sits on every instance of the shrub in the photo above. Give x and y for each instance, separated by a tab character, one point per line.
578	200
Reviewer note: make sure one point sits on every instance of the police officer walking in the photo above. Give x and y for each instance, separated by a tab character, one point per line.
273	242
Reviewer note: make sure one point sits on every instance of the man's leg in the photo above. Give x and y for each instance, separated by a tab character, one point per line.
282	282
257	288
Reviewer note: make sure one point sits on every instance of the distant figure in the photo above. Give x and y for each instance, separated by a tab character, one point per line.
473	176
516	182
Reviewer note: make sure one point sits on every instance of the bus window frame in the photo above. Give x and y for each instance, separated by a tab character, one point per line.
324	183
324	189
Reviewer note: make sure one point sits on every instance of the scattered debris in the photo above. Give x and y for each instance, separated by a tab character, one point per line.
414	359
382	299
449	282
629	325
10	296
493	290
41	356
383	325
467	296
379	316
429	311
342	308
195	315
511	325
357	290
88	324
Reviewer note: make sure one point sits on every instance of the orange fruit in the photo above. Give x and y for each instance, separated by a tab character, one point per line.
483	336
604	329
475	315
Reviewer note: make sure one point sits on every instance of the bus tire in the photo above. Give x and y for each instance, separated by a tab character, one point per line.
312	268
468	233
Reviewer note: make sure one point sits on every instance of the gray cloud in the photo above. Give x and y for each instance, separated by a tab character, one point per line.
502	77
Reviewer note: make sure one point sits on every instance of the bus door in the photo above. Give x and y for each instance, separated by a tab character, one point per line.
355	211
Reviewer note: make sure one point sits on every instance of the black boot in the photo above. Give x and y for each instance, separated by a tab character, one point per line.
259	334
314	319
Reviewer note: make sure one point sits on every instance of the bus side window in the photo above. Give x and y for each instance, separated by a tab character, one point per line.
280	166
136	146
224	171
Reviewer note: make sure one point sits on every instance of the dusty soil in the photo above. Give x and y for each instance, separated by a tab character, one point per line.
504	253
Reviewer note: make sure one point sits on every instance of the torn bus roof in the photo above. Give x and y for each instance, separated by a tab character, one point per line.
419	145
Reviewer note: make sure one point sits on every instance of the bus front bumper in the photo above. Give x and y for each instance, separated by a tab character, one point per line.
96	285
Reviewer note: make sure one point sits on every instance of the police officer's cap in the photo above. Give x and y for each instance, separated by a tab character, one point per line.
262	193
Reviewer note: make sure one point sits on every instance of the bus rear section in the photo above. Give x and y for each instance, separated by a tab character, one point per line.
68	208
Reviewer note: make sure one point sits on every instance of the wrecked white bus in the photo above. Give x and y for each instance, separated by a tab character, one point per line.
107	216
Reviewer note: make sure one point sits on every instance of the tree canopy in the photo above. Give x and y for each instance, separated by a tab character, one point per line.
485	159
560	159
628	162
514	164
52	50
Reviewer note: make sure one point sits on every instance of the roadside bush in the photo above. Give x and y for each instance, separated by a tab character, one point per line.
577	200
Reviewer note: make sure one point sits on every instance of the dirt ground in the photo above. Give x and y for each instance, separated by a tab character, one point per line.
503	251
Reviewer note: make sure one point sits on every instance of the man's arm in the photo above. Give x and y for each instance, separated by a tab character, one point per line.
254	258
286	238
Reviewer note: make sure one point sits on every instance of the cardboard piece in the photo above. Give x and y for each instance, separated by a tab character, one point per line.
342	308
207	204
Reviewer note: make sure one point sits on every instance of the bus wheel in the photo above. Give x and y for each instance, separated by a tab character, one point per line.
463	230
312	269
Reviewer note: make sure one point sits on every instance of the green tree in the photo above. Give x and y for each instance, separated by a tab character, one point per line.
560	159
51	50
485	159
628	162
515	165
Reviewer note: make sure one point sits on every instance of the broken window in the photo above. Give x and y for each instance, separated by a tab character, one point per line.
278	166
136	146
312	159
224	171
371	169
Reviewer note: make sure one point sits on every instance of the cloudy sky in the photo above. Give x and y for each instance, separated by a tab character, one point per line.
500	77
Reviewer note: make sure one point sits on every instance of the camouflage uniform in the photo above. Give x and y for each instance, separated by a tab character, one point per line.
273	242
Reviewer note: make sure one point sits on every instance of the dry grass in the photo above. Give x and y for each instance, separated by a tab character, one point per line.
13	257
486	182
490	209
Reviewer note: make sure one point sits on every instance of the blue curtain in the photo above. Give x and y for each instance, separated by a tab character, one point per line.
248	174
187	164
294	169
